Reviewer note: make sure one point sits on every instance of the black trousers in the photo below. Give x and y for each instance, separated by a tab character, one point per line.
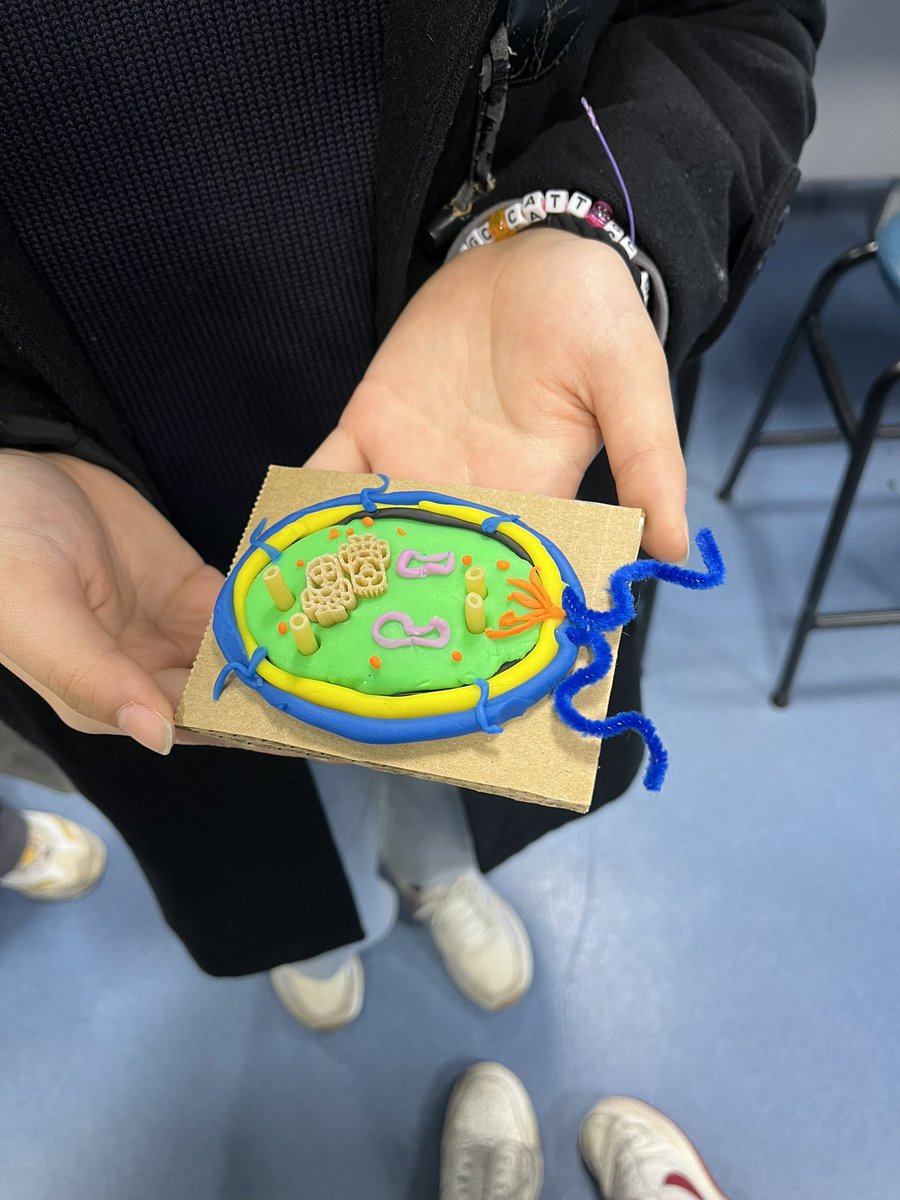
13	837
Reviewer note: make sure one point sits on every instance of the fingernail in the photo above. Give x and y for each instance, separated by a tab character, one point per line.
687	542
146	726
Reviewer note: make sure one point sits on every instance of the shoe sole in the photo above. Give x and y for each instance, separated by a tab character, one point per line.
639	1109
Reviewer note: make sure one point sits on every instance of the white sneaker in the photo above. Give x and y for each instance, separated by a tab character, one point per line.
491	1147
482	941
61	860
322	1004
636	1153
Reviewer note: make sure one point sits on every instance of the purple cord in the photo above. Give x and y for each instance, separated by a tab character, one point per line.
609	154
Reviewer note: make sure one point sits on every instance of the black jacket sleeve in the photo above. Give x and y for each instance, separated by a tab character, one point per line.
706	105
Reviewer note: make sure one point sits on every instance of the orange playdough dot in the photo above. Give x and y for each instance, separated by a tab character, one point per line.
368	521
375	661
456	656
351	533
300	562
502	565
467	560
334	533
282	628
402	532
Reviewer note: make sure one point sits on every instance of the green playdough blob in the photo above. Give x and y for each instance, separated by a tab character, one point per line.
345	649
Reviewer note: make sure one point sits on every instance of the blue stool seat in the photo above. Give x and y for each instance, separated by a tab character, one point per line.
889	252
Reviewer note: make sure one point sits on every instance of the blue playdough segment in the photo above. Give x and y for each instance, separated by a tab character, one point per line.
375	730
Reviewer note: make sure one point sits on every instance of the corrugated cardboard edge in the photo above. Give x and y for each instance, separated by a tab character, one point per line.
537	759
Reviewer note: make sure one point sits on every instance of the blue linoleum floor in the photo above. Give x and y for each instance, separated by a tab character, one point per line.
727	950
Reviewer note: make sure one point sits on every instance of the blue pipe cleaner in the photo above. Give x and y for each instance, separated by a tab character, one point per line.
588	627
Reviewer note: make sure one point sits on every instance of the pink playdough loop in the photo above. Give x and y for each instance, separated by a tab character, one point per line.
415	633
434	564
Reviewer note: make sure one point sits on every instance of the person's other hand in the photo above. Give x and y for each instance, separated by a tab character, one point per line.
509	369
102	603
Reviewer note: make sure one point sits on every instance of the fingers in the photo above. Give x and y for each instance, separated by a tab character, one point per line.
633	406
55	644
339	453
172	682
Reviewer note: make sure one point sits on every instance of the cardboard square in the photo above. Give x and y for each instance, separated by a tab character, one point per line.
536	759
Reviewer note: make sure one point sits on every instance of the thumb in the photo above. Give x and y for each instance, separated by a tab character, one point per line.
634	409
339	452
56	645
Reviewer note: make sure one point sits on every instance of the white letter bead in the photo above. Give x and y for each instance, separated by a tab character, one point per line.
484	233
579	204
533	207
629	247
555	201
614	232
474	239
515	218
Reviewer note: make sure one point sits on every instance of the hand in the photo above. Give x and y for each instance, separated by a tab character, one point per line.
103	604
509	369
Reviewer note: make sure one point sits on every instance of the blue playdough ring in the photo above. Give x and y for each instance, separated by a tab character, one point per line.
486	714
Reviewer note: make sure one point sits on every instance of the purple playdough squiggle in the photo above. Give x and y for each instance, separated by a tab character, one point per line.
434	564
414	633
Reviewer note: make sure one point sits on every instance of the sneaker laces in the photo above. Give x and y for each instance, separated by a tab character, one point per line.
495	1171
463	905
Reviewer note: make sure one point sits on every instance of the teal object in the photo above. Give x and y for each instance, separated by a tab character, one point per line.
888	254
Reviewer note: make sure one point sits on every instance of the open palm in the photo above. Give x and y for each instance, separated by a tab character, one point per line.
104	603
509	369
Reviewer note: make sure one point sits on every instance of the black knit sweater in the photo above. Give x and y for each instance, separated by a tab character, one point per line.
195	182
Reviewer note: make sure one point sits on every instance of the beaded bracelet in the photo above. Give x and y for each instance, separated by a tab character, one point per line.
507	220
576	212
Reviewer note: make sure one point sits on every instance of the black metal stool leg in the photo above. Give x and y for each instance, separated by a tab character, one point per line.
863	438
808	326
764	408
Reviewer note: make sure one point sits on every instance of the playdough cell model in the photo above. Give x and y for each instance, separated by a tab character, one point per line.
414	616
373	595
